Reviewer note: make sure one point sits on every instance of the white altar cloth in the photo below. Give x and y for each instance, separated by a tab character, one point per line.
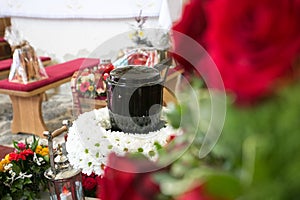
80	9
68	29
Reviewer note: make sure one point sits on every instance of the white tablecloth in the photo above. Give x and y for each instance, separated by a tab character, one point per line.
83	9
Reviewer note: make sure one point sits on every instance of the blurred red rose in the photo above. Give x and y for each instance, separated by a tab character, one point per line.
252	42
196	193
27	152
119	185
16	156
193	24
89	183
21	146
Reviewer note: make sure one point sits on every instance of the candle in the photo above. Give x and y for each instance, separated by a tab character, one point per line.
65	195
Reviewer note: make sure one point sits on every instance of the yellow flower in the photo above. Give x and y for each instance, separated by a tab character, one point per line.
3	162
91	88
38	149
7	157
45	151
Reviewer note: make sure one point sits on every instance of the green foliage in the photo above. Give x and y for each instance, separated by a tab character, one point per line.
256	157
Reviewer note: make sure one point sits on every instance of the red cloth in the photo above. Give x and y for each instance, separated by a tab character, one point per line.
5	150
2	39
5	64
55	73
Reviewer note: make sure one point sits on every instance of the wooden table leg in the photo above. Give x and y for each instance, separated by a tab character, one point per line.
169	97
27	115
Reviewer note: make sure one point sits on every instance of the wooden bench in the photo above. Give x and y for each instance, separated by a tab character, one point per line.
5	65
27	99
5	50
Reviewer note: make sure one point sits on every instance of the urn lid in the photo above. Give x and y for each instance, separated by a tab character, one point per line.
135	76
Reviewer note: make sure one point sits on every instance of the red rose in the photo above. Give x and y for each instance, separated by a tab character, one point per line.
192	24
116	185
253	43
16	156
89	183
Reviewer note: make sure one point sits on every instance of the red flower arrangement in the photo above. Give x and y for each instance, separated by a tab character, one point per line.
90	184
22	171
116	184
15	156
90	82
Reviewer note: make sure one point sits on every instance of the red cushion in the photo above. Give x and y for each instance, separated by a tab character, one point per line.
55	73
5	64
2	39
5	150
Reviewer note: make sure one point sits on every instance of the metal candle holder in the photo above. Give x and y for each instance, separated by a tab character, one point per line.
64	182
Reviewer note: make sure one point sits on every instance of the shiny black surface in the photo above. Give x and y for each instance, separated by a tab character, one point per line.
135	99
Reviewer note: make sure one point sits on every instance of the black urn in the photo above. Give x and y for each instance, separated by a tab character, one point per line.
135	96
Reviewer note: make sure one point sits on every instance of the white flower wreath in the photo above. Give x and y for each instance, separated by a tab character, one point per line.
90	141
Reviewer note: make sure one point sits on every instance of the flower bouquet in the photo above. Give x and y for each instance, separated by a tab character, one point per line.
22	171
89	82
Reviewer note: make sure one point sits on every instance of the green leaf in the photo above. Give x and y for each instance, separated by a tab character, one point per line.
16	167
46	158
223	185
18	184
34	144
6	197
170	185
174	116
27	181
16	145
